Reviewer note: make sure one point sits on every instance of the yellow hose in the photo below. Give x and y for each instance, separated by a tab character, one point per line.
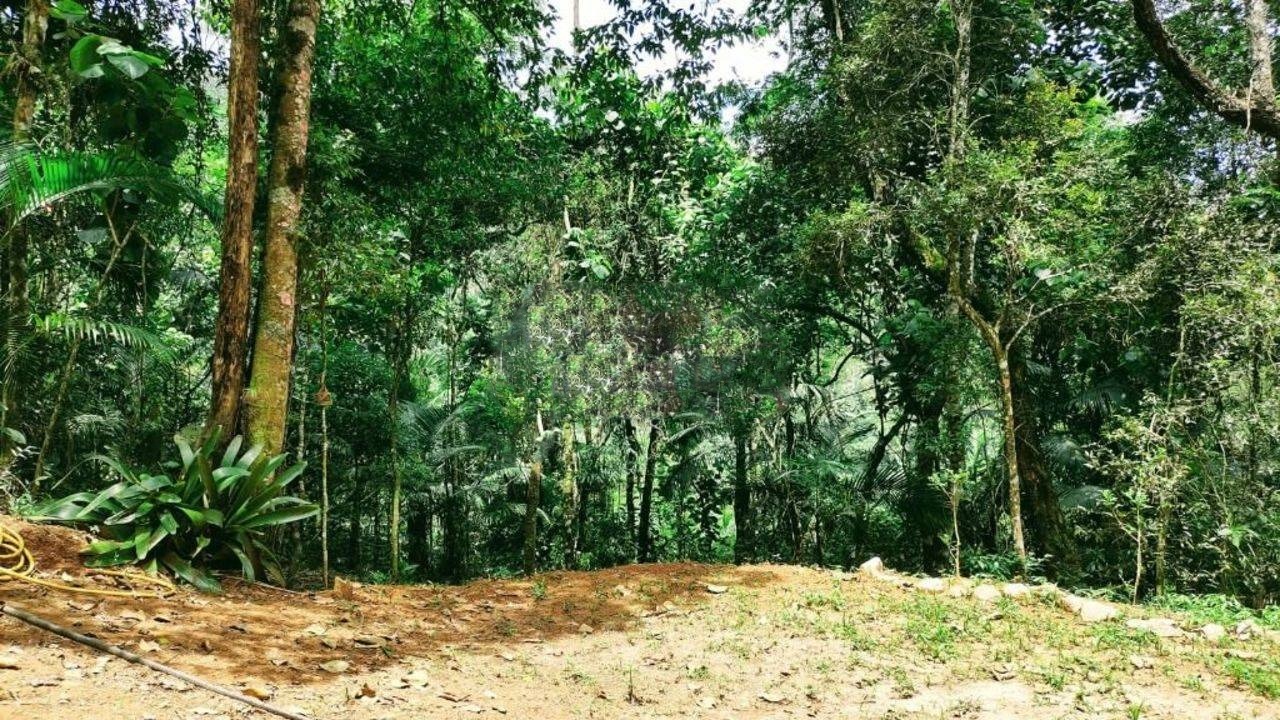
16	563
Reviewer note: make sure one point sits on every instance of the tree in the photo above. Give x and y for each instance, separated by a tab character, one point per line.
231	339
268	394
1254	108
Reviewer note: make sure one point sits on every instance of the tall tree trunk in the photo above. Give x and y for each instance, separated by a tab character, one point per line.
569	490
418	524
268	394
1262	89
1052	534
925	510
231	337
743	544
632	462
397	477
1009	424
324	485
324	399
35	24
529	529
645	532
354	524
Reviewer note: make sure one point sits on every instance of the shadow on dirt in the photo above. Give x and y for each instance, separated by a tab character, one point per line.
253	632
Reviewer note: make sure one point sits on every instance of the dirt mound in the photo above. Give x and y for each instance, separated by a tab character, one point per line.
55	548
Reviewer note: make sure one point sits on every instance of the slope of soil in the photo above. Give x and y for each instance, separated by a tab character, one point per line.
655	641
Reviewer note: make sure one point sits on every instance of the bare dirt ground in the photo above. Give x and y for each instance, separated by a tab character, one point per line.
655	641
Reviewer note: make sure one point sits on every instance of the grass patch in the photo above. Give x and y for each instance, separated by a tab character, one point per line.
1220	609
1262	677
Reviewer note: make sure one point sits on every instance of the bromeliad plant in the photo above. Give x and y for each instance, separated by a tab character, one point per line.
208	515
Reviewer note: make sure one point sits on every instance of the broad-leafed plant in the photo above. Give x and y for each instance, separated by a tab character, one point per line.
212	510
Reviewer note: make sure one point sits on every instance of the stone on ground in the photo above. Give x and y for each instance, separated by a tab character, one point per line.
931	585
1213	632
1160	627
874	566
1014	590
1089	610
986	593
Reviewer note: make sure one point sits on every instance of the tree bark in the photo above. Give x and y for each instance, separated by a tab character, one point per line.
35	24
268	394
397	476
744	540
1262	89
645	542
632	461
1047	522
529	531
231	337
569	491
1256	110
1009	425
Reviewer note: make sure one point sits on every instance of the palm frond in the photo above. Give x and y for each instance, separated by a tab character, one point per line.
102	331
30	180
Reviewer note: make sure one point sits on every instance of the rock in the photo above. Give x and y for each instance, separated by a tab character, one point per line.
1247	628
335	667
1160	627
586	629
1089	610
1014	590
958	590
986	593
717	589
1004	672
1213	632
874	566
931	585
1141	662
1047	590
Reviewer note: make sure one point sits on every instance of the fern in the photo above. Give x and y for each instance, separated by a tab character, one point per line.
102	331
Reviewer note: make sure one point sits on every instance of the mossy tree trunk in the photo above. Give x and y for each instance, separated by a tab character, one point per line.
267	399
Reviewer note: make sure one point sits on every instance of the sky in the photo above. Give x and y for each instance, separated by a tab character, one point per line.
748	62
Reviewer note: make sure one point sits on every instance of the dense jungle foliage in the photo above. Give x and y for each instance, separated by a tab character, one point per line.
986	286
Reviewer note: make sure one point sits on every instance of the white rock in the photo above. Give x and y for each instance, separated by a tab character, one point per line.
1090	611
1160	627
1015	589
931	585
1247	628
986	593
1213	632
873	566
958	590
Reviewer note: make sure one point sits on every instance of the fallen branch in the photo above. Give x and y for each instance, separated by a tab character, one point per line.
101	646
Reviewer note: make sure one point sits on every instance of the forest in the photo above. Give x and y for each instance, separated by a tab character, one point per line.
423	291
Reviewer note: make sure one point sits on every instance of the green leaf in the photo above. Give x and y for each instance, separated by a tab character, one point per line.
280	517
200	579
68	11
169	523
132	66
84	56
246	565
